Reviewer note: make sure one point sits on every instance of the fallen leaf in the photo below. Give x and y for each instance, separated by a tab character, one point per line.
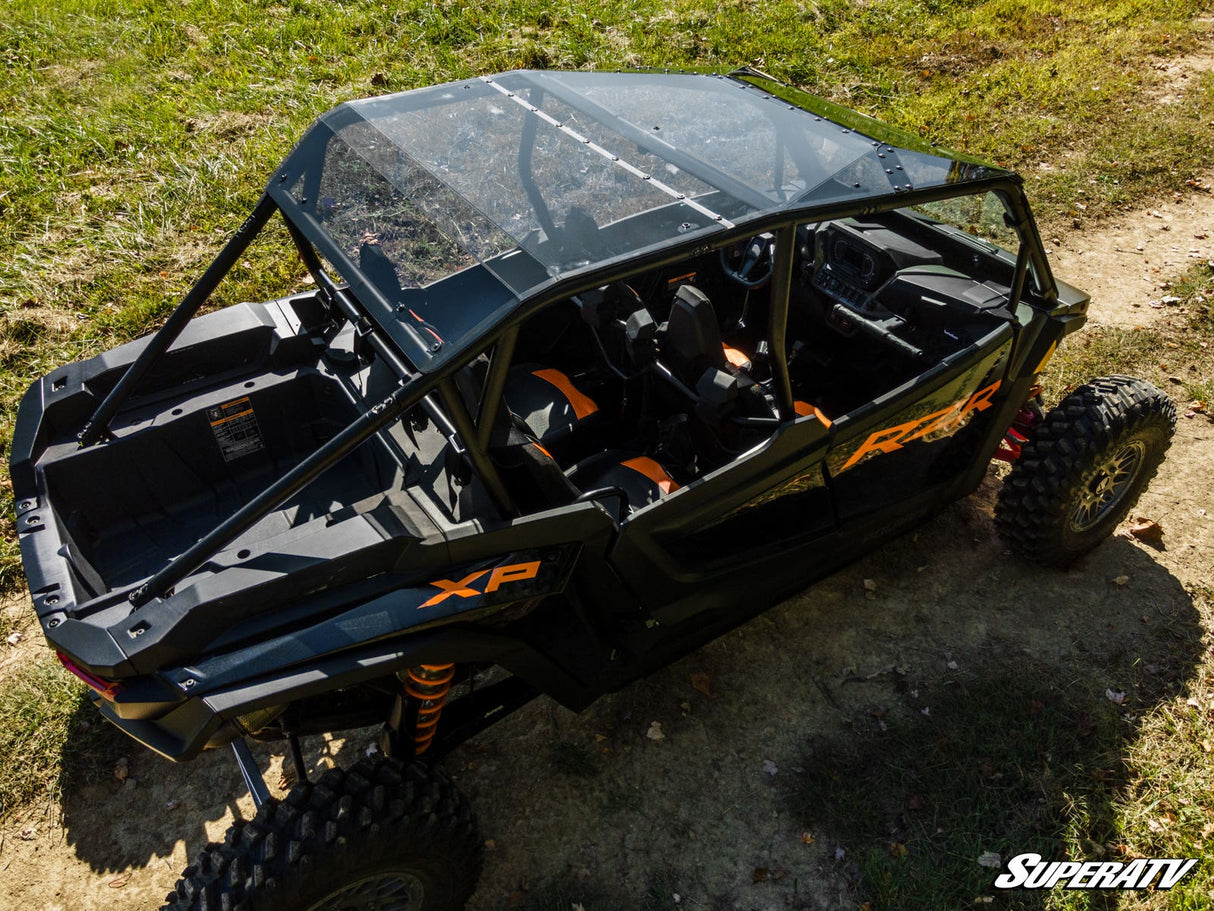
1121	580
655	731
870	584
770	767
990	860
1115	697
760	874
1146	530
120	880
807	838
702	683
122	769
14	638
897	849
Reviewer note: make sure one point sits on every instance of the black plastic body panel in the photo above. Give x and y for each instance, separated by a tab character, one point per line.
403	551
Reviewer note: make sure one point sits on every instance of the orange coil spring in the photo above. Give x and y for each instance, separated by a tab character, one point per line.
429	685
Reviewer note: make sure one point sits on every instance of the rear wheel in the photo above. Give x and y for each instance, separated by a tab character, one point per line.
1084	469
382	837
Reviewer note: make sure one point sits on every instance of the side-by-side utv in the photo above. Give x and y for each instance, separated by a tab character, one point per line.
592	368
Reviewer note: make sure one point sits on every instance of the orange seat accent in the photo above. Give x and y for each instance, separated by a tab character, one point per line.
543	450
652	470
804	409
736	358
582	404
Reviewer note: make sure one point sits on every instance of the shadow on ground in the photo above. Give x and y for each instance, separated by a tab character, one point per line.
115	825
861	743
866	741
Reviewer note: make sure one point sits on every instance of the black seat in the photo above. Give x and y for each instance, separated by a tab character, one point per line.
693	338
641	479
535	480
549	402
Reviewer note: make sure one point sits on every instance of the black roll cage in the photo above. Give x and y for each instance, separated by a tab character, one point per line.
470	433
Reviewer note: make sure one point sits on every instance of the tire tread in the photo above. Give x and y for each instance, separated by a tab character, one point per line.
1031	510
379	803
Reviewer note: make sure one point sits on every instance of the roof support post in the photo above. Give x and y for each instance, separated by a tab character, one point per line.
98	425
495	384
781	285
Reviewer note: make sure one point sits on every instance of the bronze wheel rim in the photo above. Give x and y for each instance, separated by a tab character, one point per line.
1107	487
381	892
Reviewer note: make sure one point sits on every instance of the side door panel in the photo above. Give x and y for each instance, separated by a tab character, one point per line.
919	436
717	539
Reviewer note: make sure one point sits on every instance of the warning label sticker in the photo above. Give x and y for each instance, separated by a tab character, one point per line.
235	428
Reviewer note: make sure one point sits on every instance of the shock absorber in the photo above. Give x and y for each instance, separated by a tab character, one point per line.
428	684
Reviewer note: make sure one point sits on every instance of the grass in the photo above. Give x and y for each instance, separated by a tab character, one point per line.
135	135
1163	806
1178	357
1022	761
50	735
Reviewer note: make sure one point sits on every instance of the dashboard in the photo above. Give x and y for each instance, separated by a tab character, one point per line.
865	279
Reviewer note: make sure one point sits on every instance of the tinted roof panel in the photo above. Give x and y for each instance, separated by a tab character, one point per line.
505	183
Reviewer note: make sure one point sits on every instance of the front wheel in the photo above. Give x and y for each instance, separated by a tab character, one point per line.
381	837
1084	469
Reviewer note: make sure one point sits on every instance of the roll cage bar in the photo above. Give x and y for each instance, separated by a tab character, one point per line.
470	434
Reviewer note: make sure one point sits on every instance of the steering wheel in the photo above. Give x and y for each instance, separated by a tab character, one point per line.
758	261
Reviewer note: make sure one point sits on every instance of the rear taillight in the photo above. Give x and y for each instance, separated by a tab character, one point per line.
106	689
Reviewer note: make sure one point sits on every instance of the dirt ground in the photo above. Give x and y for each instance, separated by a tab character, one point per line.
588	809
